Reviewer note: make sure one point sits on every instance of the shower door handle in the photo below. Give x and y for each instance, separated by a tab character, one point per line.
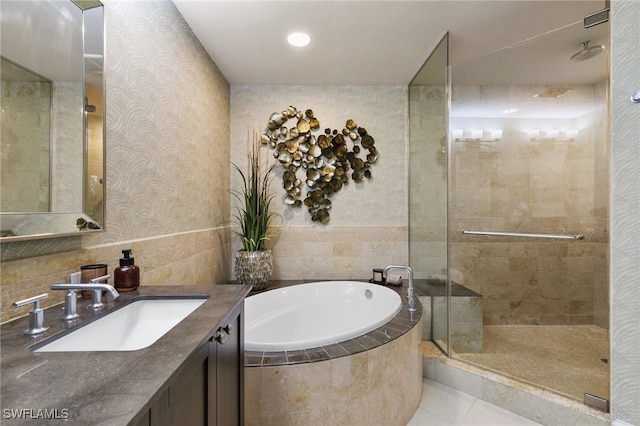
525	235
635	98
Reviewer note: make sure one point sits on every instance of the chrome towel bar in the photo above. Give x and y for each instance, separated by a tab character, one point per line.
526	235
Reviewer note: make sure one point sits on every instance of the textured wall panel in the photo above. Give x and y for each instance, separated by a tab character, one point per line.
167	125
625	213
382	200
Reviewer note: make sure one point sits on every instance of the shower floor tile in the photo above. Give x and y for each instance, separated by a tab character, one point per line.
564	359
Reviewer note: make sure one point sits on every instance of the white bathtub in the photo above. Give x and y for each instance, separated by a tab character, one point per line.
316	314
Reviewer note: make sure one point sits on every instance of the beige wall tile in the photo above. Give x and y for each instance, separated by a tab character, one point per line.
359	375
298	387
252	392
540	185
275	393
188	266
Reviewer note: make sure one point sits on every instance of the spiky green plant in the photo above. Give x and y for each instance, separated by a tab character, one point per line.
254	199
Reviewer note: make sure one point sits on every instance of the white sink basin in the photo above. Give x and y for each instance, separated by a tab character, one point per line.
132	327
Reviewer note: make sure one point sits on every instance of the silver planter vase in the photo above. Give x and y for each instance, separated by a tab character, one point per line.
254	268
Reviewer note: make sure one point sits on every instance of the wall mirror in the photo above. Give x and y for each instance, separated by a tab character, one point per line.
52	129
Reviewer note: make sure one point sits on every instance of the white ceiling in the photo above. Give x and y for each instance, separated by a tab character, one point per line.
377	42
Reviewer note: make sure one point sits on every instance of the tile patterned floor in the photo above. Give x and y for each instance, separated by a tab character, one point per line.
445	406
565	359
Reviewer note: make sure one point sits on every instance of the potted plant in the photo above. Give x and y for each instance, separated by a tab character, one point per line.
253	263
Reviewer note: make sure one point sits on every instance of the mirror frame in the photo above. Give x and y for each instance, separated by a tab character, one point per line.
74	217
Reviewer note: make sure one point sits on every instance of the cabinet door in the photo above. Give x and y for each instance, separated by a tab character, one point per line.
188	394
226	373
159	412
212	395
209	388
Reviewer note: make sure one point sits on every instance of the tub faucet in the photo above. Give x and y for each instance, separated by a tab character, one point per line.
412	303
69	311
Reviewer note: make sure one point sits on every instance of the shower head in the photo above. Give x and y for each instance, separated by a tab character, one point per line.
587	52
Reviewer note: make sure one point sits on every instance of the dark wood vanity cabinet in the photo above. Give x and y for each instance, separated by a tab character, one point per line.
208	389
226	373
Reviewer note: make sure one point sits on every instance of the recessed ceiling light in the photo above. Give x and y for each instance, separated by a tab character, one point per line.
298	39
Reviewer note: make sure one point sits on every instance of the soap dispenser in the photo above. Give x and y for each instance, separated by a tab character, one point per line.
127	275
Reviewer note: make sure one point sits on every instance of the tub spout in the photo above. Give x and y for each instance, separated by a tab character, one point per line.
410	300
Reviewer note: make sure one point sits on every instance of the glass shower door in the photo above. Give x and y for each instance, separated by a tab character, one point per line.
528	209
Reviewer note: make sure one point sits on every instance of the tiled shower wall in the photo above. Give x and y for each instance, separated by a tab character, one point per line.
167	163
518	184
26	117
27	160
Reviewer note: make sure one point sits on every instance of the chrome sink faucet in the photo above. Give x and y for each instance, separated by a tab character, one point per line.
36	315
69	311
412	303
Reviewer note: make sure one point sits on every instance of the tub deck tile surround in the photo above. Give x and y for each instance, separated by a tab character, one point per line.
317	354
335	351
273	358
352	346
392	330
252	358
373	379
367	342
382	336
295	357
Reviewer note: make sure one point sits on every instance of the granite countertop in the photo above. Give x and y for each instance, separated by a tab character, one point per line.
107	388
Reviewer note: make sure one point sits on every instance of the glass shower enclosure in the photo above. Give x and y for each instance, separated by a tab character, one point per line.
428	118
522	170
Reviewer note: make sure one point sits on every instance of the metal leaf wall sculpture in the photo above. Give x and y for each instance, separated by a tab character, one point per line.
326	160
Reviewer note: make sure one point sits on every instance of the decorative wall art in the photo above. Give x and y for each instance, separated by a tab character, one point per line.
326	160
